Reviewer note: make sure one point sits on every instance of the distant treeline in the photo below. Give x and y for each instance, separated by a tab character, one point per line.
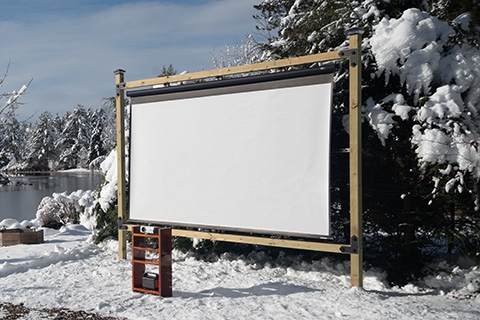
78	139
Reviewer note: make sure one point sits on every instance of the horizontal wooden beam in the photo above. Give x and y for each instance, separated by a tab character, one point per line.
274	64
281	243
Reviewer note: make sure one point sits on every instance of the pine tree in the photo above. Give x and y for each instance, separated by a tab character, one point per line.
74	140
41	145
96	148
109	129
12	141
167	71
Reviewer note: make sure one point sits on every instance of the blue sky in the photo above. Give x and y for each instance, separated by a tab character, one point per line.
71	48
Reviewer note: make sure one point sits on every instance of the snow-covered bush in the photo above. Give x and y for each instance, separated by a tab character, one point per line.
83	207
106	213
62	208
108	192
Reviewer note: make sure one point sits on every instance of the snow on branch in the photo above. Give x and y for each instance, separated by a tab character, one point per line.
12	97
440	79
410	47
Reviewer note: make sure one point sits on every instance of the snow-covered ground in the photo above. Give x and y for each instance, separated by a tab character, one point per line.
68	271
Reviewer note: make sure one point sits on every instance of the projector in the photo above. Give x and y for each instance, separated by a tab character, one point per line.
147	229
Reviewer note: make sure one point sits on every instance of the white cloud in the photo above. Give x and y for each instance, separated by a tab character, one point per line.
72	56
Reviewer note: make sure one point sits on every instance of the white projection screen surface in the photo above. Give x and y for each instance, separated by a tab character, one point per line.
248	156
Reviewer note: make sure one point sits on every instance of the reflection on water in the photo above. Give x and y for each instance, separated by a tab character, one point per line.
20	198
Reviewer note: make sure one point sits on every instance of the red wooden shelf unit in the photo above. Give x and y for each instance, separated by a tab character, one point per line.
152	253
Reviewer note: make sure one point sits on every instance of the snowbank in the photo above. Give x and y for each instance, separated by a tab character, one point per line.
15	224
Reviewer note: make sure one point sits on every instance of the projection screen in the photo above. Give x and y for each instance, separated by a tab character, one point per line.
248	154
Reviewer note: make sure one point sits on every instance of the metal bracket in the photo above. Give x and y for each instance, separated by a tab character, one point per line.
353	248
341	150
350	53
120	86
121	226
353	31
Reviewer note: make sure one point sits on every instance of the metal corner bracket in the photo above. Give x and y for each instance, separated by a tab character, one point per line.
350	53
353	248
120	86
121	226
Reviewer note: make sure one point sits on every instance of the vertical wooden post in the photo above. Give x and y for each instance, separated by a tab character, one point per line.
120	109
355	75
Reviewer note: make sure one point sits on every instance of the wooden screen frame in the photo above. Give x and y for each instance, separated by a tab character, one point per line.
355	247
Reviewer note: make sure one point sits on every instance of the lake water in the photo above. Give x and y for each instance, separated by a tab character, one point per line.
21	199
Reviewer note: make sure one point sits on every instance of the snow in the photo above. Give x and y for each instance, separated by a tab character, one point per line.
410	47
444	81
380	120
366	14
10	224
69	271
108	193
400	108
446	140
462	68
463	21
64	207
445	104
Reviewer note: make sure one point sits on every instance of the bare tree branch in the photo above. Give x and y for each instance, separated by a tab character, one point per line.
6	73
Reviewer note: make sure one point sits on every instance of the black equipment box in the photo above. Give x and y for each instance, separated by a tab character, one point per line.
150	281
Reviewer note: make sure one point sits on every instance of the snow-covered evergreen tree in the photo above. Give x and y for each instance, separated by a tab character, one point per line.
74	140
53	143
11	141
40	147
11	131
421	95
108	124
247	52
96	147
